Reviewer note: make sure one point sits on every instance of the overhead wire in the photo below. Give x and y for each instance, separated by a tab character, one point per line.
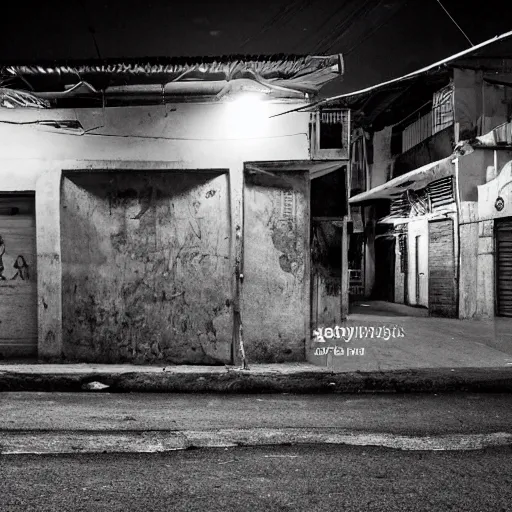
297	5
376	29
332	16
455	23
339	31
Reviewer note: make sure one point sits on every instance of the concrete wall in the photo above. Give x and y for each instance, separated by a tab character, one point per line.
164	138
276	291
473	171
481	184
145	267
467	102
478	106
484	213
380	169
495	107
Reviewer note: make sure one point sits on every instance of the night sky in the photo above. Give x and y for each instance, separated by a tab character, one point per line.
379	39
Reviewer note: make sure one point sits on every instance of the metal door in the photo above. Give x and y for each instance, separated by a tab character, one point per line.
18	277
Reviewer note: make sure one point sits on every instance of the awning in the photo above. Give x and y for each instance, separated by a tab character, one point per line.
413	180
316	168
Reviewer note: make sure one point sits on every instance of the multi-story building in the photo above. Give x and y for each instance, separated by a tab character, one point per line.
428	151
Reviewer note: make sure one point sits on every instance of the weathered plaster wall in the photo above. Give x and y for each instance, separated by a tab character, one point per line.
380	169
495	107
276	285
467	102
483	216
185	136
197	135
478	106
145	267
477	174
468	297
473	172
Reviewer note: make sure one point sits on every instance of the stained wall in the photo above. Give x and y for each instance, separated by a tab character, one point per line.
131	139
145	267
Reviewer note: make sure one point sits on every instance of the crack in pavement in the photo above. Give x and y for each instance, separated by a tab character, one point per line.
155	441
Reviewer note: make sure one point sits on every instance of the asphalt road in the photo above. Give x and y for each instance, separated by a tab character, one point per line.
406	414
306	478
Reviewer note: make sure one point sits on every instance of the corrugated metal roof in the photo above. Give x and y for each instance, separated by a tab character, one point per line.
200	68
279	75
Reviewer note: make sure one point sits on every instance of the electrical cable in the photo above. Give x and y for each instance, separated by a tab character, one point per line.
278	17
338	32
374	30
326	22
455	23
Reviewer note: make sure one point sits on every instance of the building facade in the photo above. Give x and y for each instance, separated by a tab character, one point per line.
428	152
162	212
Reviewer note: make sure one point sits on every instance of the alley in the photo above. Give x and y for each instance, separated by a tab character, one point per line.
427	342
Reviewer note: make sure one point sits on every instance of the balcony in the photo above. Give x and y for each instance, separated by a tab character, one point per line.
431	118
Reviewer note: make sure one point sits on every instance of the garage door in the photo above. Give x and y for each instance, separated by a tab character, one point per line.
18	279
442	277
504	267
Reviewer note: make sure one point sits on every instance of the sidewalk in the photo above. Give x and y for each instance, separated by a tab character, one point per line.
434	355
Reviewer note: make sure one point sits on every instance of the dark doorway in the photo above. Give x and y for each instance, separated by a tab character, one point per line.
384	288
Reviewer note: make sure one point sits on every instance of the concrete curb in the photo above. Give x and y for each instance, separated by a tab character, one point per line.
62	442
481	380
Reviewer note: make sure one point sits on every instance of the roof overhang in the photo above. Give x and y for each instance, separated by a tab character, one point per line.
288	76
413	180
316	168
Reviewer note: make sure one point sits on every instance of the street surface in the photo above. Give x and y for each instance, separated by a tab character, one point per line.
309	479
404	414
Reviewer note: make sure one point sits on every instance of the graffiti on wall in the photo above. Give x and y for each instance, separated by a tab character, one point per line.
20	265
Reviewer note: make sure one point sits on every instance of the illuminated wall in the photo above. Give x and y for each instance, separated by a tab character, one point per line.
165	138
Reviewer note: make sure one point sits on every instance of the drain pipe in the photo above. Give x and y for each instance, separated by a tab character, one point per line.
459	218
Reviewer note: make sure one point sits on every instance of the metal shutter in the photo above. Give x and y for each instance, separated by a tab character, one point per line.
504	267
18	281
441	269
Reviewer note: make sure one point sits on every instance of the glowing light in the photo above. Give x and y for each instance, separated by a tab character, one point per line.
247	114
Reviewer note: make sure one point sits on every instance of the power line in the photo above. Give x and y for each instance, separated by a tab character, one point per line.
326	22
377	28
456	24
338	32
297	5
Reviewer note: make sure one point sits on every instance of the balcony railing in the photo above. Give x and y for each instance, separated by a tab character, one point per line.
429	119
417	132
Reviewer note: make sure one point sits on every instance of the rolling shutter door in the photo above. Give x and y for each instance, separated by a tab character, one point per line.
441	270
18	278
504	267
